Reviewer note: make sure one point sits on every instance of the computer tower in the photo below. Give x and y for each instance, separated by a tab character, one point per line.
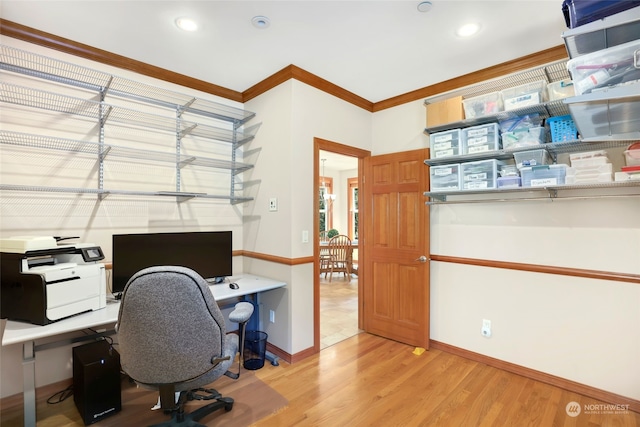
96	381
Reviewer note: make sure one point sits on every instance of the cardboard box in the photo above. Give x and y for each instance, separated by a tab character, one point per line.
443	112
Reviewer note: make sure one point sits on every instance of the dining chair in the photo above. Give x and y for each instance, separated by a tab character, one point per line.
340	253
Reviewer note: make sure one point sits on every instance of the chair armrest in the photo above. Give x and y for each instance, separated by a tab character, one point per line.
241	313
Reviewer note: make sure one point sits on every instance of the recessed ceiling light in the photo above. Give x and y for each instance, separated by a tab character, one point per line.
424	6
260	22
468	30
186	24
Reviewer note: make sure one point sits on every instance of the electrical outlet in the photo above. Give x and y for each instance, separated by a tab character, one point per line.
272	316
486	328
273	204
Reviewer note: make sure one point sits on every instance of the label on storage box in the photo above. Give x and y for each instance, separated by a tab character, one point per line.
442	145
478	140
478	149
541	182
444	153
476	185
522	101
475	176
441	138
442	171
478	132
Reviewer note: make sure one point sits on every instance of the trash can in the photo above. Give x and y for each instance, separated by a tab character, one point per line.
255	348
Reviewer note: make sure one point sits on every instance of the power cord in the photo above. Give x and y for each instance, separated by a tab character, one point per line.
61	396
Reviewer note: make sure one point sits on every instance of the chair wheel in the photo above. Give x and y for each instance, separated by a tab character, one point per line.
228	407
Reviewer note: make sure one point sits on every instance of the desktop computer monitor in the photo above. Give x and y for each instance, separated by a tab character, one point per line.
209	253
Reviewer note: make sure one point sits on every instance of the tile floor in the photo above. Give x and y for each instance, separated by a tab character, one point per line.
338	309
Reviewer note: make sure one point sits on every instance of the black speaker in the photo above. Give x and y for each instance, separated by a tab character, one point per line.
96	381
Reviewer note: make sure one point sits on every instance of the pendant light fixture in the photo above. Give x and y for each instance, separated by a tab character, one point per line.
327	196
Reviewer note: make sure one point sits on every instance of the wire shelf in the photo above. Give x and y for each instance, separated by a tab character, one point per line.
31	64
629	189
104	193
552	72
36	98
104	151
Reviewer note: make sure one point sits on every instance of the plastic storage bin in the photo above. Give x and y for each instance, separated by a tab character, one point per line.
445	177
509	182
445	143
531	158
524	95
482	105
560	90
605	68
562	128
542	176
479	139
632	157
480	175
524	137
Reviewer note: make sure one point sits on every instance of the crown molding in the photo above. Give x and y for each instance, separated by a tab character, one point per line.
41	38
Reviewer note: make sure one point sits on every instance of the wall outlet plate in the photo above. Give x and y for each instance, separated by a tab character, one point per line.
486	328
273	204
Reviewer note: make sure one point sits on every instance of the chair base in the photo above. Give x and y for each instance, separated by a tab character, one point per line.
179	418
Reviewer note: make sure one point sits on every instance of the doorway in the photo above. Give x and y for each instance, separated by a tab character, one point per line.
337	303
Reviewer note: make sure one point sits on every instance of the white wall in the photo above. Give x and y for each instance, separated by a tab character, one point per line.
584	330
293	114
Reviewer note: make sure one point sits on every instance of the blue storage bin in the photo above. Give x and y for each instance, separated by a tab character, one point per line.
580	12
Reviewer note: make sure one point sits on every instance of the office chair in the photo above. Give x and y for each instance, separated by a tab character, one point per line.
341	254
172	338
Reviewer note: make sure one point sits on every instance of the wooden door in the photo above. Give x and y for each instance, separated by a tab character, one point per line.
396	295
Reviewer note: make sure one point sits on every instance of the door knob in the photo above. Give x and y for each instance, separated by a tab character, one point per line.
422	259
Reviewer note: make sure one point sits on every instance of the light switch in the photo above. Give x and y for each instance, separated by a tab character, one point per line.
305	236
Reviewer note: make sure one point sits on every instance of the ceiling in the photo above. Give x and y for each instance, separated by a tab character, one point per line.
374	49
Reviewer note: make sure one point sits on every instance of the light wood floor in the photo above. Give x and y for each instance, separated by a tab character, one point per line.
338	309
366	380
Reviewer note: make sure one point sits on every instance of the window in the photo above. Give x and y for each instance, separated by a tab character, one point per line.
353	208
326	213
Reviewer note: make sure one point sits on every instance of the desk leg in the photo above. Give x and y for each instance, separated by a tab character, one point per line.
29	383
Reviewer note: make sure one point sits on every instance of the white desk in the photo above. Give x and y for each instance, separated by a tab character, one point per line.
27	334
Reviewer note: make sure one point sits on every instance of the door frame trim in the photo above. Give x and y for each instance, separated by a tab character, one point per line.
335	147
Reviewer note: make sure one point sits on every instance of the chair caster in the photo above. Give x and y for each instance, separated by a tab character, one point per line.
228	403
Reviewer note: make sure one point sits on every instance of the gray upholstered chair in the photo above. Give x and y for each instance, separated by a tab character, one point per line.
172	337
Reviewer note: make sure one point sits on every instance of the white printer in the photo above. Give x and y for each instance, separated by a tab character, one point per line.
43	280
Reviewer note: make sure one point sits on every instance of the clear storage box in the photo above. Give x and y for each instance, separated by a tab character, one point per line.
524	137
479	139
480	175
560	90
445	143
524	95
542	176
509	182
482	105
445	177
605	68
531	158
